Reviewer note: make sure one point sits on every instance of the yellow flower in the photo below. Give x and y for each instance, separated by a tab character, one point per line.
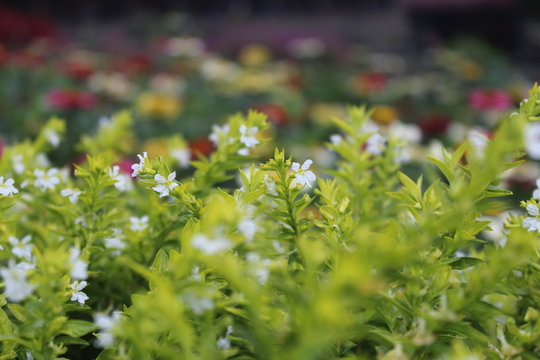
384	115
254	55
470	70
323	113
163	106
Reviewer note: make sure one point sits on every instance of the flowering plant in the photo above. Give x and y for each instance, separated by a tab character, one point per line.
358	261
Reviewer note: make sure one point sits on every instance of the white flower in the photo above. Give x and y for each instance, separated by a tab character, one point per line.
210	246
189	47
7	188
164	186
77	294
223	343
123	182
248	228
72	194
478	140
18	164
198	304
137	168
138	224
409	133
114	243
309	47
52	137
218	132
336	139
270	185
46	180
78	267
106	324
532	140
243	152
42	160
182	156
302	175
21	248
533	210
375	144
531	224
536	192
247	136
16	287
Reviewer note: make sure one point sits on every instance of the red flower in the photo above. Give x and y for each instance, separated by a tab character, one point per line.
371	82
125	165
434	125
275	113
78	69
202	146
481	100
134	64
70	99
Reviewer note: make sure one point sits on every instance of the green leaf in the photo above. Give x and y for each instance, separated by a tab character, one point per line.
465	262
18	311
77	328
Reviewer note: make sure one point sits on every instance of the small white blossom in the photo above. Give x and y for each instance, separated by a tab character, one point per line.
52	137
182	157
243	152
114	243
78	267
536	192
302	175
532	140
198	304
336	139
46	180
138	224
16	287
72	194
223	343
106	324
270	185
248	228
533	210
531	224
7	188
137	168
218	132
22	248
18	164
375	145
164	186
247	136
122	181
210	246
77	294
42	160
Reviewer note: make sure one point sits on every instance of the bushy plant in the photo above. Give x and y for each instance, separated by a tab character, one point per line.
355	262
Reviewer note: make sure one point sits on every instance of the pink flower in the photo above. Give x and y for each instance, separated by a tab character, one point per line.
482	100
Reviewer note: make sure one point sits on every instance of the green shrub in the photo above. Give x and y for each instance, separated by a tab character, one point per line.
355	262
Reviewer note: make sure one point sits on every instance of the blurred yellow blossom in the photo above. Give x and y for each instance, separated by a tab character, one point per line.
163	106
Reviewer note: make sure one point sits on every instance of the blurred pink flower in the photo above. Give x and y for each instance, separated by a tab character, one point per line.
70	99
481	100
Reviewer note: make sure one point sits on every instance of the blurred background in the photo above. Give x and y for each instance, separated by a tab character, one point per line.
436	72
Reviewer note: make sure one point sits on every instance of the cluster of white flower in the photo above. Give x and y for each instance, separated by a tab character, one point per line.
106	324
210	246
115	242
248	228
198	304
22	248
302	175
137	168
218	132
270	185
164	186
247	138
376	144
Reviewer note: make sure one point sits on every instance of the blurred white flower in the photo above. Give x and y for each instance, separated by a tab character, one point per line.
7	188
52	137
71	194
210	246
122	181
533	210
248	228
182	156
336	139
376	144
247	136
46	180
218	132
16	287
21	248
532	140
78	267
106	324
138	224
